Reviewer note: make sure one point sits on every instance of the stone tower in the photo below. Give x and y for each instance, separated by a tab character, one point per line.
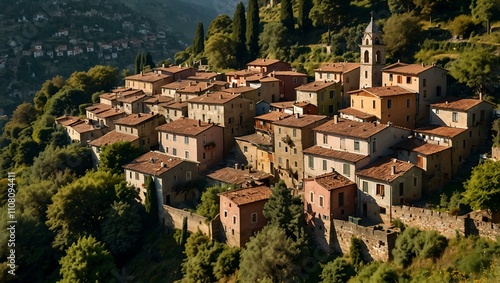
372	56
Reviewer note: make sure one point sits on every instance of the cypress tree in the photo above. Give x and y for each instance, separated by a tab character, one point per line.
286	16
199	40
137	67
305	22
239	29
149	61
253	29
143	60
151	202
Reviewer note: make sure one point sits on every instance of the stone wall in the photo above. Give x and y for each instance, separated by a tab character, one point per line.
172	217
377	243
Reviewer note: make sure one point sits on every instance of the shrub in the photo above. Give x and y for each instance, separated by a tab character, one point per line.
337	271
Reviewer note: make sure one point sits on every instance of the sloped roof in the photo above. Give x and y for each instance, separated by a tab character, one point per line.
459	104
342	67
315	86
382	169
301	121
331	181
442	131
147	77
273	116
407	69
420	146
335	154
345	127
113	137
151	163
135	119
248	195
185	126
231	175
218	97
385	91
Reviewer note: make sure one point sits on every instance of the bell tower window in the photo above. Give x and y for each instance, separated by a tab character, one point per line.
367	57
377	57
367	42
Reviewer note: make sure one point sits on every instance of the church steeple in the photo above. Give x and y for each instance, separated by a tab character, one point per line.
372	56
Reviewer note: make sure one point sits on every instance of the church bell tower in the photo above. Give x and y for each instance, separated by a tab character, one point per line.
372	56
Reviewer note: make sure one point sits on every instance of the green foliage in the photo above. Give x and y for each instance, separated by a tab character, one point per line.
227	262
48	89
194	243
305	23
24	114
253	29
401	6
26	152
220	51
475	67
65	102
95	96
43	128
87	261
286	17
415	243
483	187
400	33
79	208
149	63
198	266
221	24
399	224
137	67
114	156
122	227
209	203
239	29
181	57
98	78
462	26
496	132
199	40
151	202
485	11
337	271
355	252
475	254
275	41
328	12
270	254
184	232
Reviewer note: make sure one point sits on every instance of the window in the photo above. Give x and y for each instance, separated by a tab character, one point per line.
332	93
373	104
295	151
324	165
341	199
174	137
279	131
311	162
245	148
400	79
389	103
380	190
330	109
408	103
311	197
130	175
296	164
455	117
174	151
365	186
136	176
346	170
225	213
294	81
234	219
407	118
321	201
342	143
186	140
366	74
279	160
367	56
186	154
390	77
188	176
415	181
279	144
254	217
401	189
166	149
383	210
362	105
286	148
408	80
325	139
356	145
425	93
328	76
294	133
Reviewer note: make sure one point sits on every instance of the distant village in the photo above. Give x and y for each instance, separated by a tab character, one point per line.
357	144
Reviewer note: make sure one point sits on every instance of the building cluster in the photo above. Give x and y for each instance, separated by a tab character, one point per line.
359	139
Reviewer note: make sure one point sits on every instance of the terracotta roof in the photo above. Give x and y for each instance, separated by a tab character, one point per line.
350	128
382	169
263	62
254	77
81	126
218	97
288	73
147	77
98	107
203	76
110	113
273	116
269	79
151	163
248	195
158	99
196	87
240	89
343	67
135	119
257	139
315	86
244	73
178	84
67	120
441	131
283	104
131	98
220	83
335	154
331	181
407	69
123	92
113	137
420	146
385	91
303	104
230	175
453	103
356	113
172	69
175	105
302	121
185	126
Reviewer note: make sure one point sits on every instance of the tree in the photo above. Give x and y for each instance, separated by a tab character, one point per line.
227	262
24	114
220	51
239	29
337	271
221	24
476	68
253	29
483	10
305	23
87	261
201	254
28	149
199	40
482	190
66	98
48	89
151	201
462	26
114	156
209	204
269	255
274	41
97	78
286	17
355	252
401	6
138	65
122	227
79	208
328	12
149	64
400	33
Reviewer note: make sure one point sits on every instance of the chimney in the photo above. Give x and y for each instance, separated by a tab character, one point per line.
163	65
209	120
162	164
138	115
142	73
236	166
336	119
199	122
297	115
393	169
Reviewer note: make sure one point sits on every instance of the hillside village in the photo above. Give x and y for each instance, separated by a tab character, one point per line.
359	144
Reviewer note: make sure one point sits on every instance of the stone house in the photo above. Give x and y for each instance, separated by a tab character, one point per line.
111	98
132	104
193	140
108	139
266	66
323	94
150	82
241	214
290	80
239	78
241	177
257	151
176	72
344	72
104	115
153	103
143	126
80	130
